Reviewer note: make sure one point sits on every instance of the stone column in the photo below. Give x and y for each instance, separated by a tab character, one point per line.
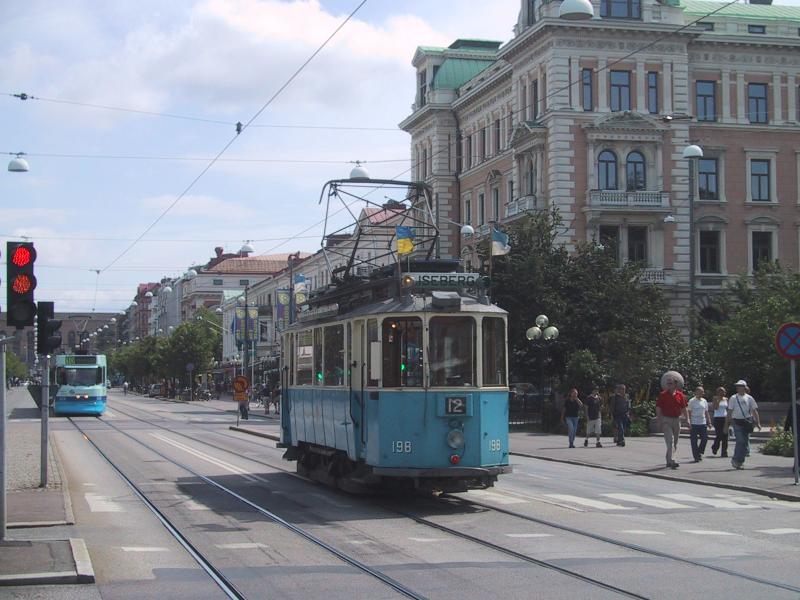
667	87
726	96
574	79
741	116
602	86
777	94
641	105
791	105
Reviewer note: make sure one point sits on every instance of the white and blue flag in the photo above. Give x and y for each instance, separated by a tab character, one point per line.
500	245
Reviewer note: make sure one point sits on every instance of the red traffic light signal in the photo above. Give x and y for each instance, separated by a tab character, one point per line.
20	283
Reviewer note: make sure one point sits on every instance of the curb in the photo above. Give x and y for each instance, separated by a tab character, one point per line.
269	436
83	573
69	515
30	524
727	486
83	562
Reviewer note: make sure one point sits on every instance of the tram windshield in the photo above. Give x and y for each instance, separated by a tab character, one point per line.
452	351
402	352
79	377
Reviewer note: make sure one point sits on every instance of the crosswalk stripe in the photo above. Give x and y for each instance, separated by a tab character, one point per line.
588	502
499	498
642	532
653	502
707	532
715	502
98	503
779	531
529	535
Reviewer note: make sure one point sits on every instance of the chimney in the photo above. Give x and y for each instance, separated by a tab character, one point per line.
218	251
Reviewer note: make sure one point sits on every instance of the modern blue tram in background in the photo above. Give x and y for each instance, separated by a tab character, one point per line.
407	384
80	382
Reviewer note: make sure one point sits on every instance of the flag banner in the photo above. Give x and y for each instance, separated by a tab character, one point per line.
252	322
300	289
500	245
405	239
239	315
282	308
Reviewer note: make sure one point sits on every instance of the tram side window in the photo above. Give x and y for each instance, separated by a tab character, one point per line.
452	351
334	355
304	354
494	351
318	356
372	337
402	352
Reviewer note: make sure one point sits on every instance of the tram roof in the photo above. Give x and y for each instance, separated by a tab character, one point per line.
408	304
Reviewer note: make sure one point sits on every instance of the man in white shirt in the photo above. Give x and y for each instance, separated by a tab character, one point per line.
743	411
699	422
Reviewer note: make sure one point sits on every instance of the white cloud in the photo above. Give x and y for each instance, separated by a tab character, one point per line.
197	206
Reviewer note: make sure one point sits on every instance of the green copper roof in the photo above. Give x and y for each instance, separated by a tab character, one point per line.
455	72
756	12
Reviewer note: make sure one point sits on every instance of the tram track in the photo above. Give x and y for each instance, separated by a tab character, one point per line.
219	578
490	545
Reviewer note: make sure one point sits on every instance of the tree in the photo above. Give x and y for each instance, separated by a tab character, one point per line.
742	344
15	368
619	324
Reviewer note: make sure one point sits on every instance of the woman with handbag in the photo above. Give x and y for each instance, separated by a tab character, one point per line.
720	408
743	411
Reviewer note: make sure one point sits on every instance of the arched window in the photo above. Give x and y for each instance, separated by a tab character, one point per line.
607	170
635	172
530	178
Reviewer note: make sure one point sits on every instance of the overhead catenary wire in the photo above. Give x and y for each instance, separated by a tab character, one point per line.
299	161
236	136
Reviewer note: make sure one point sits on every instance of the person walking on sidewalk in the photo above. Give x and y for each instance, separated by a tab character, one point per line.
699	422
571	414
670	406
743	411
720	408
620	412
125	388
594	418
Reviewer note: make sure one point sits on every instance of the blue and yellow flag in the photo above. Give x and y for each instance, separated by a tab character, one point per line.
405	239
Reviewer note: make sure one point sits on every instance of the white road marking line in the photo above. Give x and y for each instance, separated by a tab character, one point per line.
534	475
89	484
214	461
642	532
499	498
108	413
191	504
715	502
241	546
359	542
780	531
588	502
425	540
529	535
653	502
707	532
144	549
98	503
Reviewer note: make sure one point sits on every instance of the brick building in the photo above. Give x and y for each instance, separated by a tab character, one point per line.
592	117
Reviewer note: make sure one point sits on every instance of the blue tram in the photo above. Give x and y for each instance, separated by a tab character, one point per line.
80	382
411	388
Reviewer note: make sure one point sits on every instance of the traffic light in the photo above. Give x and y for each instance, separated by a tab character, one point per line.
48	338
20	284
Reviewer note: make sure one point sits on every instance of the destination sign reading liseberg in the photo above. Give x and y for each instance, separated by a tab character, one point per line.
445	280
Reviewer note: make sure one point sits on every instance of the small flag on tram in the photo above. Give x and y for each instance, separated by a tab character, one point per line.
405	239
500	245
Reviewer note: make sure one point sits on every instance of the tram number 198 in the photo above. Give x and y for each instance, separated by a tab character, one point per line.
495	446
401	447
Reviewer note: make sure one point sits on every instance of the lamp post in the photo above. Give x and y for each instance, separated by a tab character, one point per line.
541	335
692	153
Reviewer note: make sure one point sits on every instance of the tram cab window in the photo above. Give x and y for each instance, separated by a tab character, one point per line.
334	355
372	338
304	356
402	352
494	351
452	351
318	356
80	377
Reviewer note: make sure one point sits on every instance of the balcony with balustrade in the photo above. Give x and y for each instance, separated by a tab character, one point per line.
623	200
520	205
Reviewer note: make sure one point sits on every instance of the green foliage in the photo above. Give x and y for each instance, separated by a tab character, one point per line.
743	343
15	367
639	428
612	326
780	444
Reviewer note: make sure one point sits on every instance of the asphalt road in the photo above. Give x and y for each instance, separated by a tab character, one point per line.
548	530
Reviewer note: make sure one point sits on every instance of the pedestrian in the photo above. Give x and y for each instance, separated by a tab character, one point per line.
620	412
125	388
594	417
743	412
720	408
670	406
244	406
571	414
699	422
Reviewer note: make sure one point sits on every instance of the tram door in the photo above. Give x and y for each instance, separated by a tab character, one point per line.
358	405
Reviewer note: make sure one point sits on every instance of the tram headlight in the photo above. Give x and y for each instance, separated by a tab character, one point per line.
455	439
407	282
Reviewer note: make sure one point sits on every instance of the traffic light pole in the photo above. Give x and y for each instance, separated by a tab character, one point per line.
45	420
3	439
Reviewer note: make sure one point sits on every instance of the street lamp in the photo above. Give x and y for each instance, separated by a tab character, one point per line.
18	164
692	153
576	10
541	335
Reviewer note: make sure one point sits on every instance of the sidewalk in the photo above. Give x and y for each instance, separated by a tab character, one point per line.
767	475
31	509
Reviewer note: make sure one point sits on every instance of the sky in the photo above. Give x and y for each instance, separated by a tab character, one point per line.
99	178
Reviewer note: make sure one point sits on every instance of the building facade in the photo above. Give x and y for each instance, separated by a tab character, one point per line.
592	118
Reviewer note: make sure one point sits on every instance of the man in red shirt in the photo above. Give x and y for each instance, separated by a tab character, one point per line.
670	407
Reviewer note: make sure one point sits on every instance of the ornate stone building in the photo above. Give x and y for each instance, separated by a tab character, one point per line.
592	117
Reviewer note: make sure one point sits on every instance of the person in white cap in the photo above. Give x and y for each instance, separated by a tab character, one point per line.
743	411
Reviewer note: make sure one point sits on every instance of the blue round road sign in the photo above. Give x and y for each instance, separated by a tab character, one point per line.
787	342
